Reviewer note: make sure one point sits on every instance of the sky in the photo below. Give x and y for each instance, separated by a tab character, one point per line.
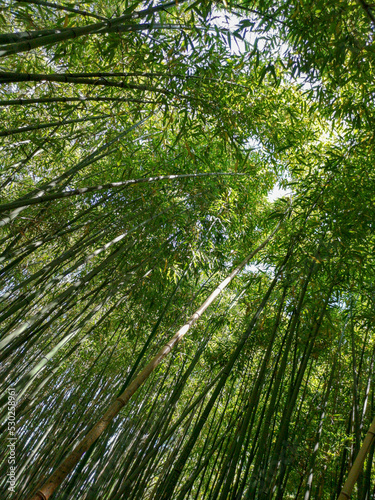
278	192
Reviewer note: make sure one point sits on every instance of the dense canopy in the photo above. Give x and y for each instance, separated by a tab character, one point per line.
187	249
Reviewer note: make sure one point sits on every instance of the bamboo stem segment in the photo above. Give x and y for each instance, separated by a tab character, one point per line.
358	464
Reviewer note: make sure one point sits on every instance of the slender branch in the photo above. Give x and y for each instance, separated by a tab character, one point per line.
8	38
8	77
65	8
84	190
41	126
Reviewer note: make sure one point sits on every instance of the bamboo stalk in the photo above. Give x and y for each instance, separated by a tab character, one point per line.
110	185
47	100
40	126
7	77
358	464
77	31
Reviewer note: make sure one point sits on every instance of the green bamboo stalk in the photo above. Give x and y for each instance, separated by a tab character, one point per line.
169	486
257	473
48	100
42	126
84	190
65	34
322	416
290	404
229	466
7	77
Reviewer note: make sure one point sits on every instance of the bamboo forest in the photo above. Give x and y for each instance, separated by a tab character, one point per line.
187	254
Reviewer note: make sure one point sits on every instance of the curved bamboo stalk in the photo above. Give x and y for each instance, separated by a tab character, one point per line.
110	185
64	34
48	100
41	126
6	77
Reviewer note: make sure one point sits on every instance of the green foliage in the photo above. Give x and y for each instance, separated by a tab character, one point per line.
271	392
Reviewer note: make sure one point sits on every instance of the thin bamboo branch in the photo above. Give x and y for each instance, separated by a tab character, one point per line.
65	8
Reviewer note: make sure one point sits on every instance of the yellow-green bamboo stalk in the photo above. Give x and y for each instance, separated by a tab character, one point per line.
358	464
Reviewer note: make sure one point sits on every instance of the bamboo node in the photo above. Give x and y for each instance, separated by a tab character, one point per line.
121	401
344	494
41	495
